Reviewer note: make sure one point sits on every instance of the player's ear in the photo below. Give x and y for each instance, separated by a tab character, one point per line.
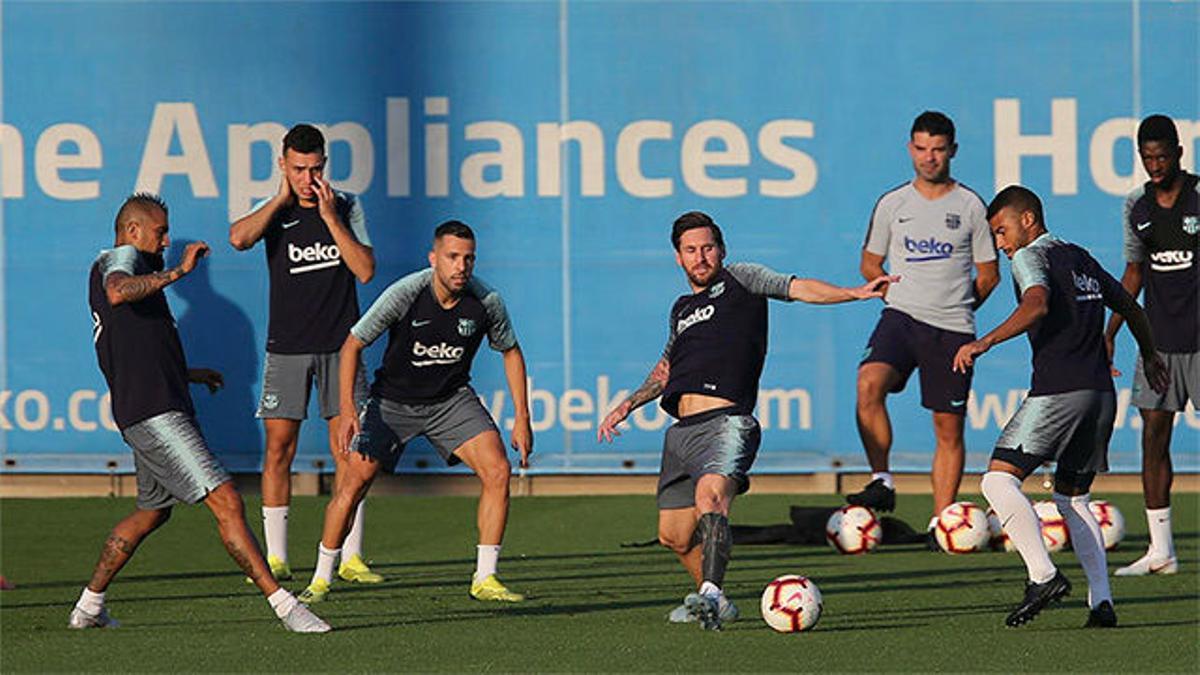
432	257
953	150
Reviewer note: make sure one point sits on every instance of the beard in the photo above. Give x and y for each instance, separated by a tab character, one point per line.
155	260
709	274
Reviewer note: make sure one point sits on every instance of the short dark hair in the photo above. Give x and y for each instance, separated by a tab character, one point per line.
693	220
933	123
1158	128
304	139
136	203
454	228
1020	198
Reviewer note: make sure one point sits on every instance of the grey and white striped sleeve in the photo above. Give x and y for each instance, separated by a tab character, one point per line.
1030	268
1134	249
120	259
501	336
390	306
761	280
356	218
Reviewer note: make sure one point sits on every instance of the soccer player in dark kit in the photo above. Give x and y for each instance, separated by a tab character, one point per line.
141	356
708	379
435	321
1162	241
1068	416
317	247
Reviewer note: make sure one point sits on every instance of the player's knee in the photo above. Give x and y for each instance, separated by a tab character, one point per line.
161	516
494	474
675	541
995	483
225	502
870	392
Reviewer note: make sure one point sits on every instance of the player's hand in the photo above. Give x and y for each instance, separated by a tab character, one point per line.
284	196
326	200
965	358
875	288
1156	372
1110	347
348	427
192	255
608	428
207	377
522	440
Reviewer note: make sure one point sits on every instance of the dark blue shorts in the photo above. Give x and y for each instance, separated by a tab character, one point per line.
906	344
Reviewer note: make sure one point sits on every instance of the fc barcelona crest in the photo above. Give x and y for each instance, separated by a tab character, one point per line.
953	221
1191	224
466	327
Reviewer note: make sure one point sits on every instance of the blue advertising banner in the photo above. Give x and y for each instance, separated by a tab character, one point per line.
569	135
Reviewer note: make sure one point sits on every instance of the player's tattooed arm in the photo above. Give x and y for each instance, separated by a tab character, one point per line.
123	287
651	389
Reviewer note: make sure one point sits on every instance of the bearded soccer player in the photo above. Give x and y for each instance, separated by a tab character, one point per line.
317	247
1068	416
435	320
141	356
1162	240
708	379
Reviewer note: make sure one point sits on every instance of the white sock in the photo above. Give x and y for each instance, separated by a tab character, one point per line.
353	544
932	524
711	590
486	558
326	557
91	601
275	528
1088	544
886	477
1020	521
1161	542
282	602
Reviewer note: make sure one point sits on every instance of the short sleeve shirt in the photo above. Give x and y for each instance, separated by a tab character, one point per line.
932	245
430	348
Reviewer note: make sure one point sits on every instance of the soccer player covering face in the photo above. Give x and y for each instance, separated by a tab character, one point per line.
932	232
1162	240
317	248
435	320
1068	416
141	356
708	379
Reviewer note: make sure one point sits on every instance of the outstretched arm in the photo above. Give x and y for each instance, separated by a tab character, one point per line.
522	433
121	287
1035	302
347	421
820	292
655	382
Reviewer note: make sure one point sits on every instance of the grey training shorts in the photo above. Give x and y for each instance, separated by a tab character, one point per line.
173	461
716	442
1072	428
288	379
387	426
1185	384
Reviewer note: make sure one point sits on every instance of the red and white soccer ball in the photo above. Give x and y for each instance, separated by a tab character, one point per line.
852	530
1112	523
998	540
1054	527
791	603
962	527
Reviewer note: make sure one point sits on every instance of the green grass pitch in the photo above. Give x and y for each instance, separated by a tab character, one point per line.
594	606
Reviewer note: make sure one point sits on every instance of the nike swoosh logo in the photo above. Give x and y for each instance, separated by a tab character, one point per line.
958	403
1155	569
418	324
290	224
905	220
1142	226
